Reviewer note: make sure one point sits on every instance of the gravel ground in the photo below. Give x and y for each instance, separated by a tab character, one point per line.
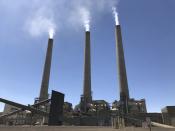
76	128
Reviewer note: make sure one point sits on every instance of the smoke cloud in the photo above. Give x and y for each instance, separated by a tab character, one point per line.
40	24
115	13
85	12
85	17
42	17
51	33
41	20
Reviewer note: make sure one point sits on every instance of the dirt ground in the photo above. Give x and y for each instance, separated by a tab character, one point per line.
76	128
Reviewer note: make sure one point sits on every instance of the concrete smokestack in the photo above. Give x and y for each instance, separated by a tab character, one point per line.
87	70
123	83
46	73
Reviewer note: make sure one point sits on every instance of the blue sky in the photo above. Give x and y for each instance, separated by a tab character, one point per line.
148	37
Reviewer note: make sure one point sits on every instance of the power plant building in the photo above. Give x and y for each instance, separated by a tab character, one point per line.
23	117
89	111
168	114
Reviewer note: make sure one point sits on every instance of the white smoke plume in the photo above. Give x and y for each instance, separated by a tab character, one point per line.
42	16
85	17
115	13
40	24
86	12
51	33
41	20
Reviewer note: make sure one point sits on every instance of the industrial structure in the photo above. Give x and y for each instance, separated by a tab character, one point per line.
168	115
125	104
46	73
52	110
45	110
123	83
86	98
44	95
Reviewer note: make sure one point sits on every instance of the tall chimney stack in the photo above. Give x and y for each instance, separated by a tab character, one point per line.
123	83
46	73
87	70
87	97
